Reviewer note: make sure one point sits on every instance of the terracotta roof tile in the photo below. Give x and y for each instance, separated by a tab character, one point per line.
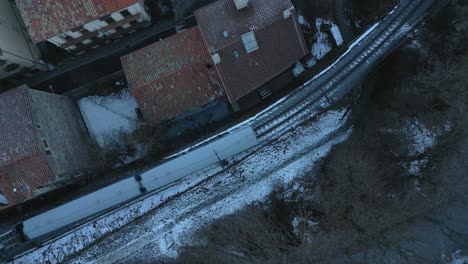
19	179
172	76
48	18
17	138
279	48
280	42
222	15
22	167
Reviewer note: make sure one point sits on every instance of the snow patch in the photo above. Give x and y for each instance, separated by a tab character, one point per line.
405	29
107	117
303	21
420	137
311	62
351	46
415	44
298	221
298	69
322	45
304	228
455	258
415	167
335	30
417	187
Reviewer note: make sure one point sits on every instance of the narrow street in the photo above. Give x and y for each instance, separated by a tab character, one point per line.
104	61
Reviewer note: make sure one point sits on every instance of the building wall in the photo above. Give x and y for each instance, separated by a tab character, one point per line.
275	85
14	40
103	30
61	134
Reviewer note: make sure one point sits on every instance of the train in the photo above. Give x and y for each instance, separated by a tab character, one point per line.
41	227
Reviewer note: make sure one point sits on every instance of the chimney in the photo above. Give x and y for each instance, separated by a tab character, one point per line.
241	4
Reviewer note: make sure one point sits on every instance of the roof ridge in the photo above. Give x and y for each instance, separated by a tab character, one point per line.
27	147
38	20
174	54
235	40
168	74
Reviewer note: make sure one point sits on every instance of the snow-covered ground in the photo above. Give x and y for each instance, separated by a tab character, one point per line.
455	258
303	21
298	69
130	239
335	30
322	45
107	117
419	140
164	230
422	138
111	120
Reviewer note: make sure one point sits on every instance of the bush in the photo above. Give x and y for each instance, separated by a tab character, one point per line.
116	149
152	138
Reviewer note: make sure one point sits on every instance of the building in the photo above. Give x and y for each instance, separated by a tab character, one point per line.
17	53
172	76
239	46
78	25
43	138
251	42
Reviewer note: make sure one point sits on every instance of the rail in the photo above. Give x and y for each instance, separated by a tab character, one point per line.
313	93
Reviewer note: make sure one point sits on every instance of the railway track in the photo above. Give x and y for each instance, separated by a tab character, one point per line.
312	96
342	76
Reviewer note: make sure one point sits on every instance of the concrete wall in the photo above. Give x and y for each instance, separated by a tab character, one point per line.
14	40
67	146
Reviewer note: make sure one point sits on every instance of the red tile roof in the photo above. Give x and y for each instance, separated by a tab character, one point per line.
172	76
280	42
22	167
19	179
48	18
222	15
17	138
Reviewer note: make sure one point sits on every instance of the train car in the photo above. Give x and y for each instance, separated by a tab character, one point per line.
199	158
81	208
174	169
